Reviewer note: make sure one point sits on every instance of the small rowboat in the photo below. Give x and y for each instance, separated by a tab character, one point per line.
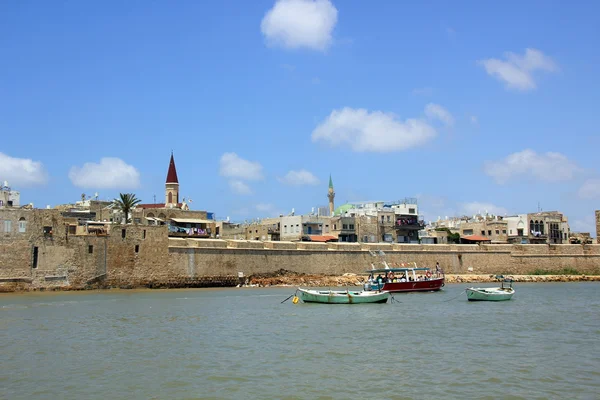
342	297
504	292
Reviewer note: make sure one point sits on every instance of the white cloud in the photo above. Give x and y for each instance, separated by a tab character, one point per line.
300	23
233	166
548	167
590	189
435	111
517	71
300	177
21	171
481	208
239	187
110	173
373	131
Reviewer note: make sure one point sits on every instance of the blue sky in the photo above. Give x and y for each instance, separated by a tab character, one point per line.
469	106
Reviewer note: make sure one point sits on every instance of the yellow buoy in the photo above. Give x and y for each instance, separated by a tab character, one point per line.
295	300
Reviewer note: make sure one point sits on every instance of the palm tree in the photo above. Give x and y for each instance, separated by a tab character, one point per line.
126	203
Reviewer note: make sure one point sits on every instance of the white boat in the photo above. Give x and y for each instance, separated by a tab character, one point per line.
504	292
342	297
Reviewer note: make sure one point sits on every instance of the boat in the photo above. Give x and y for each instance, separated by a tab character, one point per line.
407	278
342	297
504	292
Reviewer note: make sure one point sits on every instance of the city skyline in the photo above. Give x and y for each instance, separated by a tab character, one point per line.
467	107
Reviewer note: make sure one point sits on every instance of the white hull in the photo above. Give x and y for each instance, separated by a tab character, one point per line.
342	297
489	294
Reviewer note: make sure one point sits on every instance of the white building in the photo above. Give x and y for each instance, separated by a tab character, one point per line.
8	197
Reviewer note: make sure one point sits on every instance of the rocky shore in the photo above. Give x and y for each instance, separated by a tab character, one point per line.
285	278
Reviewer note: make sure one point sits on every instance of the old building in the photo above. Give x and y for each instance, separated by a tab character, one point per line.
547	227
379	221
267	229
230	230
489	227
330	197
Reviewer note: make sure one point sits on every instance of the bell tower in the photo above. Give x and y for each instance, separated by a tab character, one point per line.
172	185
331	196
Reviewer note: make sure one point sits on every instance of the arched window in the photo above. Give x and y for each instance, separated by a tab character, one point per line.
170	197
542	227
537	226
22	225
150	215
531	226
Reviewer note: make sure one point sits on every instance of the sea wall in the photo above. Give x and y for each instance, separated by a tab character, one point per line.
136	255
253	257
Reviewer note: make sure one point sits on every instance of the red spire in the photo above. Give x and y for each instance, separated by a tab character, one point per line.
172	174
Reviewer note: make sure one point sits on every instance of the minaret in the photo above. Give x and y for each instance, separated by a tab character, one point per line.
172	185
331	196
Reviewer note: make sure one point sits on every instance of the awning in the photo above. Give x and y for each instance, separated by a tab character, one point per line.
192	221
154	219
318	238
477	238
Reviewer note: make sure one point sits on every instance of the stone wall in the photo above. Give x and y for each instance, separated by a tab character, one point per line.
140	255
598	226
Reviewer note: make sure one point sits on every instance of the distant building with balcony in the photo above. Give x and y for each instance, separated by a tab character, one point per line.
538	228
491	228
381	221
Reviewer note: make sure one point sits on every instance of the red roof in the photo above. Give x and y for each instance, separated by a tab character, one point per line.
477	238
158	205
172	174
317	238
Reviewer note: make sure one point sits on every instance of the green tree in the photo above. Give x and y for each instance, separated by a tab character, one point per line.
126	202
452	237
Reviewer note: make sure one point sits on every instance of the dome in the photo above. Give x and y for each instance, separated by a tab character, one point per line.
342	209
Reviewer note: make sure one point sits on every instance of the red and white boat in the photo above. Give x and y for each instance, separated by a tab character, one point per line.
407	277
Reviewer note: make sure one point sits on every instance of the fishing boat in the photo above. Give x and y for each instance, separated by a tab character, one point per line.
342	297
504	292
407	278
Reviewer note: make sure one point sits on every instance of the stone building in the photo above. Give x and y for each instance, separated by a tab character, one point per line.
267	229
547	227
230	230
491	227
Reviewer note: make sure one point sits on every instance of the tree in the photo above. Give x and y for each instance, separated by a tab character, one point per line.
126	203
452	237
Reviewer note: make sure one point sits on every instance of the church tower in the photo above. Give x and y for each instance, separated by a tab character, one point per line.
331	196
172	185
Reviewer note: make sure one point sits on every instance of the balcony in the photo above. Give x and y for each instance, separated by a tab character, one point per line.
409	224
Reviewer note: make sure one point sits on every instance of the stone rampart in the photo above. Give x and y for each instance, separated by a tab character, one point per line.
139	255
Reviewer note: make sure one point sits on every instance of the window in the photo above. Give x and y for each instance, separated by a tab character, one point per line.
382	219
334	227
511	231
90	249
411	211
72	230
497	231
468	232
388	218
123	232
137	220
489	233
22	225
285	229
482	233
297	228
144	234
47	231
34	260
137	248
7	226
351	226
504	231
344	226
170	197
